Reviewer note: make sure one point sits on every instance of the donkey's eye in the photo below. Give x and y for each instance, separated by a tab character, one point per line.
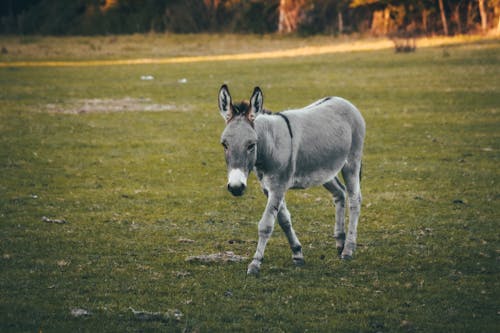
251	147
224	144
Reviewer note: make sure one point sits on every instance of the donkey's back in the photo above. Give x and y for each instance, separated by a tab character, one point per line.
328	134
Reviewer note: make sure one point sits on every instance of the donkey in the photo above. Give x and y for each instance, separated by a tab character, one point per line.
295	149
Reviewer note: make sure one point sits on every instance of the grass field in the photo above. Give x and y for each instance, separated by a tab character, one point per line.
136	170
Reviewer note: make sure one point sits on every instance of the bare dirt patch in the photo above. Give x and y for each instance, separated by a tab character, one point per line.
227	256
127	104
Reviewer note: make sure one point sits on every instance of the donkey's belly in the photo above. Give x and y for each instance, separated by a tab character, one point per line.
319	166
314	178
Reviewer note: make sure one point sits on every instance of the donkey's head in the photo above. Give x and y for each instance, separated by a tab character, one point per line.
239	138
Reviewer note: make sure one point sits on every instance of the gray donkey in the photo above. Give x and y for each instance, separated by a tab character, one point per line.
295	149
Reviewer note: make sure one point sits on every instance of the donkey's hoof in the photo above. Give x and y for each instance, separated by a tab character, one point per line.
299	262
348	251
253	269
339	251
347	254
346	257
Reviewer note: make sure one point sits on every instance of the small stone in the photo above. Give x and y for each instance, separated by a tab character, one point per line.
185	240
77	313
157	316
55	221
63	263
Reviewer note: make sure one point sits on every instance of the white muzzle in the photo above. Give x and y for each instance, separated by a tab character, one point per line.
237	182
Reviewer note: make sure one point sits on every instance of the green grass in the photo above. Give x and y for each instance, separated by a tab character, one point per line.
131	185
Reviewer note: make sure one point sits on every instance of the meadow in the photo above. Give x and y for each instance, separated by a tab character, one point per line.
129	158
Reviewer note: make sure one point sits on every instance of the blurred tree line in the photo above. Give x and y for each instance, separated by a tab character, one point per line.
379	17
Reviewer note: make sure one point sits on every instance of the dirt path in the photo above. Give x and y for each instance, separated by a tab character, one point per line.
354	46
289	53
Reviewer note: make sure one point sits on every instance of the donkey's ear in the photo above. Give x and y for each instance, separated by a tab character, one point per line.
225	103
256	102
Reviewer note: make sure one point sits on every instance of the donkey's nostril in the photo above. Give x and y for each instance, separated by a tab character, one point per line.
236	190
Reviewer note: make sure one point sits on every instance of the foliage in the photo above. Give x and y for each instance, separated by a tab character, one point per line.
142	191
89	17
95	17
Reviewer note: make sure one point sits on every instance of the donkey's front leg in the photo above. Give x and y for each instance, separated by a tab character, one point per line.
266	226
285	222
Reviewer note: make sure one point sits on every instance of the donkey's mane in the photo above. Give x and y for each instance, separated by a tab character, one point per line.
244	106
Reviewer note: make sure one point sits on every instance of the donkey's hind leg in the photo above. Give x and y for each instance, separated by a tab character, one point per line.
336	188
352	176
285	222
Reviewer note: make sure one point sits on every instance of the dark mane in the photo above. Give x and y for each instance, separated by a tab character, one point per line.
244	106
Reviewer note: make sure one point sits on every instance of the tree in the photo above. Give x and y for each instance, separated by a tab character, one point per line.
384	17
484	15
290	15
443	17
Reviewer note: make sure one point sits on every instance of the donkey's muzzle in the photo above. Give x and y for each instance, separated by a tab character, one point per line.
237	182
236	190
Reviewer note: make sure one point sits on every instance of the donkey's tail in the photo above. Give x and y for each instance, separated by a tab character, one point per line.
360	171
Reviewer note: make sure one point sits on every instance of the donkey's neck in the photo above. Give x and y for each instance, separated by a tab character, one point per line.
274	146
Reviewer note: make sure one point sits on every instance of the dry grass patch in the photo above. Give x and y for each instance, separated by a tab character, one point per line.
126	104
